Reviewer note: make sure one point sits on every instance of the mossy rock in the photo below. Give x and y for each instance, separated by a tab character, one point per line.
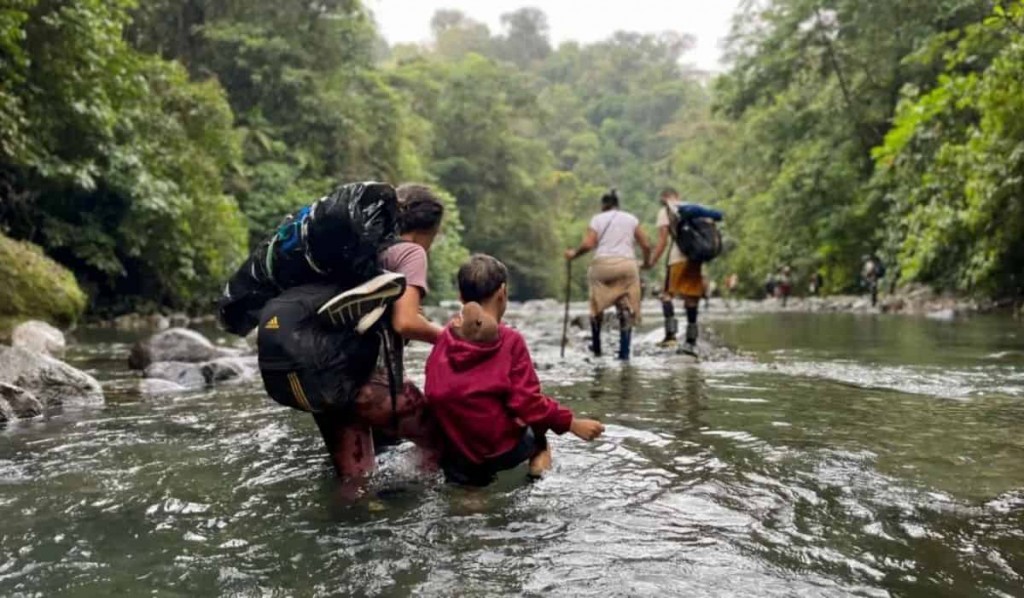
32	286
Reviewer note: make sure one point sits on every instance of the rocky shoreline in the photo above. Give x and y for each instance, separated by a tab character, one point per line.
911	300
174	357
919	301
33	379
155	322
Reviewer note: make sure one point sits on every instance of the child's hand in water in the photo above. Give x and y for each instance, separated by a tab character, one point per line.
587	429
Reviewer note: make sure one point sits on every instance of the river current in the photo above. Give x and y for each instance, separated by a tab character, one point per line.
829	455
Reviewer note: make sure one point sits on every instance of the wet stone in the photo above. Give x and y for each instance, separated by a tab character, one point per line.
17	403
52	381
176	344
39	337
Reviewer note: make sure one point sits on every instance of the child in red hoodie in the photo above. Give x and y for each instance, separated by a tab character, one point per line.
483	390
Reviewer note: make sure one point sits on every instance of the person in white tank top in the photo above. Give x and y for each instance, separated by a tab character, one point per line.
613	276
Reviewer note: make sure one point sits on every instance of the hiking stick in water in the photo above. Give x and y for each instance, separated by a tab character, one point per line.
565	318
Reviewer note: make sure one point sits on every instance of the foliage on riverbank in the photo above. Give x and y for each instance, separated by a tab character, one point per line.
861	126
111	159
35	287
144	146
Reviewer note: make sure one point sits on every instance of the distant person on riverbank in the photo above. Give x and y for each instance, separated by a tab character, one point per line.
683	278
784	284
710	288
814	283
732	282
872	271
483	390
613	276
769	285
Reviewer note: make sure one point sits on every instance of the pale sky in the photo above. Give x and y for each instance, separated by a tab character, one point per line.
403	21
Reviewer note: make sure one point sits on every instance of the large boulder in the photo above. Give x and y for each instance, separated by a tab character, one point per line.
34	286
176	344
39	337
16	402
53	382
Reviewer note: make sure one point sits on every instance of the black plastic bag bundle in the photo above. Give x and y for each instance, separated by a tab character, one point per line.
245	293
698	239
305	364
336	239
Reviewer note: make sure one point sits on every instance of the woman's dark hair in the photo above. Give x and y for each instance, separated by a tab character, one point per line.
610	199
419	209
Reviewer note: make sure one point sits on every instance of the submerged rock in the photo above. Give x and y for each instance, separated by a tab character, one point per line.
140	322
183	374
178	320
176	344
40	337
194	376
946	315
156	386
229	369
207	320
893	305
53	382
16	402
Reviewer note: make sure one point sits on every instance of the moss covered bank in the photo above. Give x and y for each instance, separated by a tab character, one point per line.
32	286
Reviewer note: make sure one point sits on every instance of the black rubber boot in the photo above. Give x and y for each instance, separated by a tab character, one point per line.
595	336
625	333
690	346
671	324
625	340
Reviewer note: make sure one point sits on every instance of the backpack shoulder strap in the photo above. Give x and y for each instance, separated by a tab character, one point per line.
673	220
606	227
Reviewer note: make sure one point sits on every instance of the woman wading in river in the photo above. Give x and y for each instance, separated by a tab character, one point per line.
613	276
350	438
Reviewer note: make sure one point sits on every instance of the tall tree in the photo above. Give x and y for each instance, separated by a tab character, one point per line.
115	160
494	173
812	90
525	41
312	108
951	170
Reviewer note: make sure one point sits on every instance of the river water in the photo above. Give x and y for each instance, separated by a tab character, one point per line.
832	455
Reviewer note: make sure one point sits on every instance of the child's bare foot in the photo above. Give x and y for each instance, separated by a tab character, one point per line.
587	429
540	463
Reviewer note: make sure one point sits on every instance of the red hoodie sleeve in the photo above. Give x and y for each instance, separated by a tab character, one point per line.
526	400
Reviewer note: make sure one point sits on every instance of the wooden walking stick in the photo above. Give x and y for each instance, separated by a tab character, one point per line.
565	319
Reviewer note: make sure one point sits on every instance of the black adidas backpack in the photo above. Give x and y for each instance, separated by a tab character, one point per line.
305	362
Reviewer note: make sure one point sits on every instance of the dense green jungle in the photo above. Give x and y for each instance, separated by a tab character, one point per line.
145	145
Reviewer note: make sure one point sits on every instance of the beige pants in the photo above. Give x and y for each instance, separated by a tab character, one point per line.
614	280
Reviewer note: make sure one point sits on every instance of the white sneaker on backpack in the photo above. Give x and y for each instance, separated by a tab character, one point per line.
362	306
